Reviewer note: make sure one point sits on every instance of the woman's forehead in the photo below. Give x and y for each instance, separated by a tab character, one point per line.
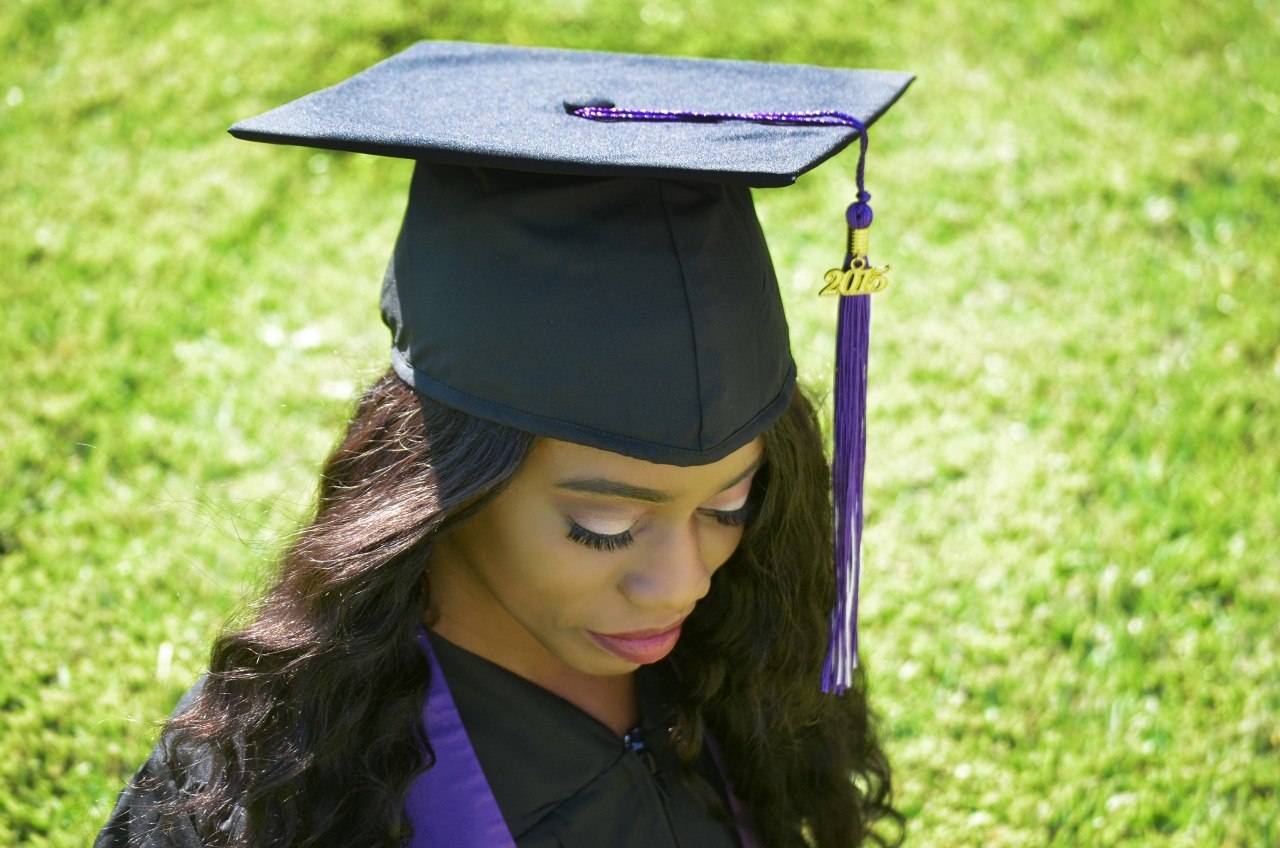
556	462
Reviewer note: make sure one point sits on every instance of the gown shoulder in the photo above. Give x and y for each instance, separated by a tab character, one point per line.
135	821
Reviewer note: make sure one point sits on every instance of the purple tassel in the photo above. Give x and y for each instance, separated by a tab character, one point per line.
853	341
853	336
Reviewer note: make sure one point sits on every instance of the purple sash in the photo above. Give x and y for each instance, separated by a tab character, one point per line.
451	805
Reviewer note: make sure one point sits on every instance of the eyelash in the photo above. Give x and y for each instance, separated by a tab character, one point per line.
735	517
616	541
599	541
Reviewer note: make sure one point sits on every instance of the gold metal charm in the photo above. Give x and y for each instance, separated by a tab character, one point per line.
861	278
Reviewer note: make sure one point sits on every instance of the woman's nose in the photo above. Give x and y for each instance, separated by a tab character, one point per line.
673	577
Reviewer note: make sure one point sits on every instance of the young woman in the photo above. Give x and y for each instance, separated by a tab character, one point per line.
569	580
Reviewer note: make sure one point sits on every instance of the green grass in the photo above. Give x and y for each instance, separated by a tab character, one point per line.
1071	593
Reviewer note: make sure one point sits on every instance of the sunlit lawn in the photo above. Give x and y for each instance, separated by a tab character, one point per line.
1074	480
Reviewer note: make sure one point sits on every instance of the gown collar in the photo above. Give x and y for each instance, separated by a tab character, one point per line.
453	804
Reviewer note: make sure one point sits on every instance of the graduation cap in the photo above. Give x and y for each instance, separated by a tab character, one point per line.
580	256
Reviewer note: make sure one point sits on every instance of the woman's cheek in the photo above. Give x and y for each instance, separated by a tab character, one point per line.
726	541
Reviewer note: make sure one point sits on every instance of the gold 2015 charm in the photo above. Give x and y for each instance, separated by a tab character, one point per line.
861	278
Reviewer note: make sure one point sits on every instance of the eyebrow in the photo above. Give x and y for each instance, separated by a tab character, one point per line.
619	489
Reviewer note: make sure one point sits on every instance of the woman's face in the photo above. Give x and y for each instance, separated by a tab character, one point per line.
589	560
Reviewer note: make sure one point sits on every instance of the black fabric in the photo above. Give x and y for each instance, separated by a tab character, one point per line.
499	106
561	779
564	780
135	822
636	316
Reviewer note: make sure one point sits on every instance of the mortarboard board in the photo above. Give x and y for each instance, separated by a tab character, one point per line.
580	256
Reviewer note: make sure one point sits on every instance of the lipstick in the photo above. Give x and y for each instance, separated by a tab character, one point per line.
641	647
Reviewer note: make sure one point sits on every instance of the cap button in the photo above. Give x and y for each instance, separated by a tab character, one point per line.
572	104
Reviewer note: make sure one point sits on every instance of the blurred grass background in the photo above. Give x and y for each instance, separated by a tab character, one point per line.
1072	590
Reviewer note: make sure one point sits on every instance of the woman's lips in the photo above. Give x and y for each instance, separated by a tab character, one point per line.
641	647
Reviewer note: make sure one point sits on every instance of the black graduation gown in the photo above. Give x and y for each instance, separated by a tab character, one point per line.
134	822
560	778
563	780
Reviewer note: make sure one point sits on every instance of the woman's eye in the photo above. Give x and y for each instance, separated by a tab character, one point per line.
733	517
599	541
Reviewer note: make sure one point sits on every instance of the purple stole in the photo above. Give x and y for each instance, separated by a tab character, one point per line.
451	805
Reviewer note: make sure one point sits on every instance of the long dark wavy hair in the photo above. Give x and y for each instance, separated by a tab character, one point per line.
307	730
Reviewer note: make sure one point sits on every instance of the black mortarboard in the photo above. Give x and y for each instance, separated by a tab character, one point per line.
596	276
